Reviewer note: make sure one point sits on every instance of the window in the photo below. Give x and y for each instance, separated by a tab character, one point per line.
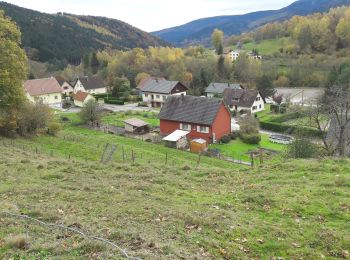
258	99
164	98
158	96
259	106
203	129
146	95
56	97
185	127
255	107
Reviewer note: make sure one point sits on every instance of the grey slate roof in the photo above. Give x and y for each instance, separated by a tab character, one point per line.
190	109
219	88
92	82
161	86
240	97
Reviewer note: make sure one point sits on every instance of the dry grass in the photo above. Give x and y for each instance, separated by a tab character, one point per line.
291	209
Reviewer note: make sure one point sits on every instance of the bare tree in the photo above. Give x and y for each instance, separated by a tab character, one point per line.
337	104
332	117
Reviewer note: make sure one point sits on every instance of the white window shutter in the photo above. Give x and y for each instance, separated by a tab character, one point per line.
181	126
198	128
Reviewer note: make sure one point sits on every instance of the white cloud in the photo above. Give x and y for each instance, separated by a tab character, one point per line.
151	15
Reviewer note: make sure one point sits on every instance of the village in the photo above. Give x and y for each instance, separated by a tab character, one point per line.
191	123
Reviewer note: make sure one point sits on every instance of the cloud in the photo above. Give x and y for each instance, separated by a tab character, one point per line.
151	15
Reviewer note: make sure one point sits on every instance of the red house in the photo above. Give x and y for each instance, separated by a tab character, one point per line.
206	118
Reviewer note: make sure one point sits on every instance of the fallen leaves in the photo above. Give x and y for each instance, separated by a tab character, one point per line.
160	218
191	227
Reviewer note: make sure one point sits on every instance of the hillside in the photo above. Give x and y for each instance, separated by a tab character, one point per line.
199	31
166	211
68	37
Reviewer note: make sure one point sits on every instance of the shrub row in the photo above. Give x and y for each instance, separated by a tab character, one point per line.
277	127
114	101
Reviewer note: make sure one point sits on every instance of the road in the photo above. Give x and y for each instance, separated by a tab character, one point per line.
299	95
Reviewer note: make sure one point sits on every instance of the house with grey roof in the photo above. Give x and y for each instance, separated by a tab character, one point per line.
91	85
217	89
243	100
204	118
156	91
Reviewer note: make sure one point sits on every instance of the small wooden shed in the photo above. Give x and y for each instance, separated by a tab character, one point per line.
136	126
177	139
198	145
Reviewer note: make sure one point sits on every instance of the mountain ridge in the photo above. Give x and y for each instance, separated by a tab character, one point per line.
199	31
69	37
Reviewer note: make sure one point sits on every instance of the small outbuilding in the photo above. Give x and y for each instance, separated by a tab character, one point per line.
177	139
136	126
198	145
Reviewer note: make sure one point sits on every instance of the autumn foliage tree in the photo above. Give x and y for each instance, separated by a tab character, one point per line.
13	71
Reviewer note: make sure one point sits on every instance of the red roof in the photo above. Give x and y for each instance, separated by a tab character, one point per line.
38	87
80	96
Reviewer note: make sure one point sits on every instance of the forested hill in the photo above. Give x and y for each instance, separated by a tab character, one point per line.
50	37
199	31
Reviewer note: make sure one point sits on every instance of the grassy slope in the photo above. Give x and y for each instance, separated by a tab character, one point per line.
268	47
290	209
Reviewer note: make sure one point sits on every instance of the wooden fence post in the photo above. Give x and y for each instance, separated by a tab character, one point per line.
199	159
252	159
166	158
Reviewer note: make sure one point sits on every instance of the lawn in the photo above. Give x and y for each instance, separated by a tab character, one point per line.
117	119
239	150
268	47
293	209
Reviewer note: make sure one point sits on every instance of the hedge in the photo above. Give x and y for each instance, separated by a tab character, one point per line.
277	127
114	101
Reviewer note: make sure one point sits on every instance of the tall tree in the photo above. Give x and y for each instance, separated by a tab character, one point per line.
94	63
265	87
218	41
13	71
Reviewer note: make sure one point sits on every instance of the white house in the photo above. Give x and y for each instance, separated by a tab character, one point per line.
66	87
91	85
217	89
81	98
47	91
232	55
243	100
156	91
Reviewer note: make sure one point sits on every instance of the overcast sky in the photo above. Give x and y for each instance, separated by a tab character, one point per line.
151	15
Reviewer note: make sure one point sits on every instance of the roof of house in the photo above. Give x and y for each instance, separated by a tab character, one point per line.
145	80
219	88
240	97
38	87
199	141
91	82
161	86
190	109
136	122
80	96
176	136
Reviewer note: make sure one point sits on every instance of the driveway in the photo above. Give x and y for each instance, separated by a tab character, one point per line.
128	107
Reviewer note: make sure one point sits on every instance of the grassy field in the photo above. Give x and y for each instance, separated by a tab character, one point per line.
117	119
268	47
239	150
291	209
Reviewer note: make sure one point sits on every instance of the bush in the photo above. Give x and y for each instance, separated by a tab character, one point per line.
143	104
54	128
225	139
114	101
33	117
302	148
234	135
251	138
